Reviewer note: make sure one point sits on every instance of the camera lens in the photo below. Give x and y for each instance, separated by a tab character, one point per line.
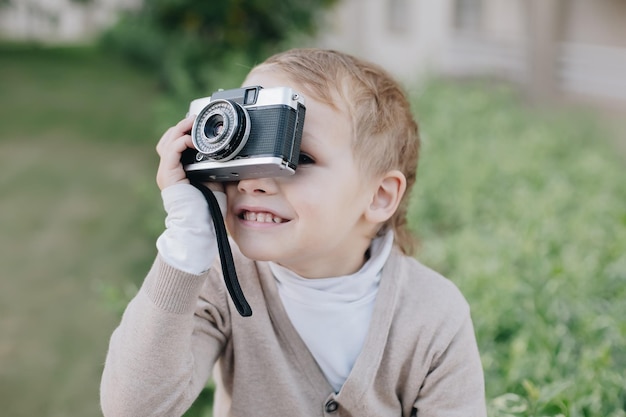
221	130
214	127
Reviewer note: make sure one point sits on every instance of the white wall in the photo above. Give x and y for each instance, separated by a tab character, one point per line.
407	45
590	56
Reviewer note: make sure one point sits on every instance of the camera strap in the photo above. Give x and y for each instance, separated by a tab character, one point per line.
226	255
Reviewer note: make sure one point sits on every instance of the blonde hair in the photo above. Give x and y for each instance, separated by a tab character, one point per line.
385	134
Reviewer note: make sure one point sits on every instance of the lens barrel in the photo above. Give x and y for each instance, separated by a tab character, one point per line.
221	130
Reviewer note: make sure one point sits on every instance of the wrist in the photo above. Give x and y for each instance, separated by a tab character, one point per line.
166	182
188	242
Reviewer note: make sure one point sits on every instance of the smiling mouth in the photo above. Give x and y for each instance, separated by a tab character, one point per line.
261	217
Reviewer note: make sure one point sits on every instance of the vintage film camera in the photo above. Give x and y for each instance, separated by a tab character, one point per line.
248	132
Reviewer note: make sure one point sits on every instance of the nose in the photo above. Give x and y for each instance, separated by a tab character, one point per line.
257	186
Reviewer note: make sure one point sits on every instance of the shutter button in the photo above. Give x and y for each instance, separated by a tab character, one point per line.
331	406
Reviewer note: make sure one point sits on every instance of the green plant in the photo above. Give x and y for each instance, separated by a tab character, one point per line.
526	212
190	44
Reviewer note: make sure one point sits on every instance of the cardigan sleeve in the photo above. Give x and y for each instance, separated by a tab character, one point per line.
162	353
454	385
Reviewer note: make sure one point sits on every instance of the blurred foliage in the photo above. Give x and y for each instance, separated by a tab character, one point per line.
526	211
191	44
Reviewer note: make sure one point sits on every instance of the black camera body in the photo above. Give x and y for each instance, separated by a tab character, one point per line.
249	132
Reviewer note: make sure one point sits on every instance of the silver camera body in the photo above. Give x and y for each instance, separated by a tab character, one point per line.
248	132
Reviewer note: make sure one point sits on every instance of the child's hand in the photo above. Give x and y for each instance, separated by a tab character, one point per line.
170	148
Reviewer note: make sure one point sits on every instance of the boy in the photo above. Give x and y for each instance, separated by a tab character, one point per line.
344	322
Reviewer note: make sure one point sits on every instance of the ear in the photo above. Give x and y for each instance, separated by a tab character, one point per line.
387	196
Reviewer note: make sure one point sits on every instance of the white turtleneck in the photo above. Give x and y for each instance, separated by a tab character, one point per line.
332	315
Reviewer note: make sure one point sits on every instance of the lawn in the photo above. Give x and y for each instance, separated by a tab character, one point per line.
77	191
525	210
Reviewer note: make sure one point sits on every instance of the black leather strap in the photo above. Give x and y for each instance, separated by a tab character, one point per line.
226	256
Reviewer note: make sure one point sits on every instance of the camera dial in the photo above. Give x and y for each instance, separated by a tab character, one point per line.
221	130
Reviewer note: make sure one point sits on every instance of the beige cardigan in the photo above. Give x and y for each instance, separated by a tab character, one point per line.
420	356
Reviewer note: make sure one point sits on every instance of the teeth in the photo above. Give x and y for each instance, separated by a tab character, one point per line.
261	217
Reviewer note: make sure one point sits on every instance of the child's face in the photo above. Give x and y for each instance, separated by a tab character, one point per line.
311	222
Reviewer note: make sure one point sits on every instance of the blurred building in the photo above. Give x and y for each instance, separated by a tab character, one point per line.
553	47
58	21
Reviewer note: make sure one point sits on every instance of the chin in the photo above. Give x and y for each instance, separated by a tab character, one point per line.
256	251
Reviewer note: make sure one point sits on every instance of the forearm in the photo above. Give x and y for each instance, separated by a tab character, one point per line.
161	355
188	241
163	351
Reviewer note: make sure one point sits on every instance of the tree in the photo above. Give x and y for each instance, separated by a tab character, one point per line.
190	42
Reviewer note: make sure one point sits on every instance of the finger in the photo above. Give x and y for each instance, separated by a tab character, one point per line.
182	128
171	152
170	171
184	125
182	143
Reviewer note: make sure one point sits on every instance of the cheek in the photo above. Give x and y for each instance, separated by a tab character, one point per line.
305	200
229	221
321	204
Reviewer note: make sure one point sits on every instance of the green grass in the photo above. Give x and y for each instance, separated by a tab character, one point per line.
46	90
524	210
76	210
